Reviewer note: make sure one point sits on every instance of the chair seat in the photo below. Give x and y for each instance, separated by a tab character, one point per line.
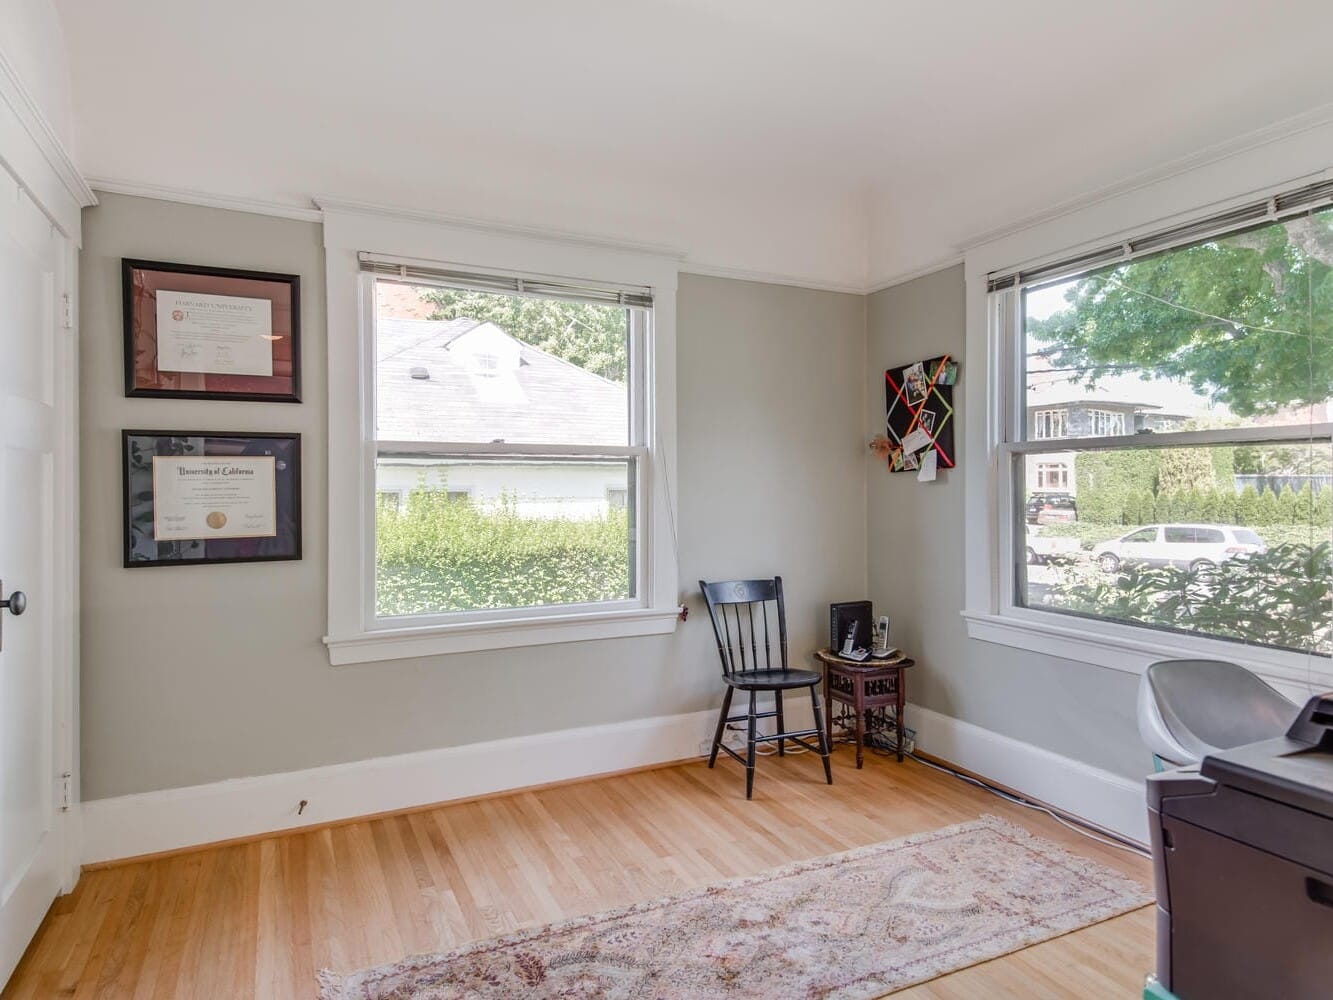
772	680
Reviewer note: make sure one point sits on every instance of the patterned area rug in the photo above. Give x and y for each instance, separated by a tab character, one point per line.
847	926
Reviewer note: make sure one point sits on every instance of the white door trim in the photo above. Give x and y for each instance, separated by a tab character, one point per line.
32	155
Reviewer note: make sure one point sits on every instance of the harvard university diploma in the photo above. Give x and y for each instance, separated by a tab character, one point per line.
216	334
212	497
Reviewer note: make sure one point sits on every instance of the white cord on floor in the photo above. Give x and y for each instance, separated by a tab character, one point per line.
1031	805
771	751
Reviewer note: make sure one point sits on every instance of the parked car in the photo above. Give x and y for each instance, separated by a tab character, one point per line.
1051	508
1041	549
1188	546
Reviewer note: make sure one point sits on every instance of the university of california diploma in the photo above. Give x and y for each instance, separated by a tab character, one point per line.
215	334
213	497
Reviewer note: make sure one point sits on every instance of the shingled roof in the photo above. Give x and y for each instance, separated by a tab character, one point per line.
466	381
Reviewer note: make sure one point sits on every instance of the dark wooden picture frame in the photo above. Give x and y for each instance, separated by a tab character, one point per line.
141	280
140	548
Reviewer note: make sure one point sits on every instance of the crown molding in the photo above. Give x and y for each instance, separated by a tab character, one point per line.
206	199
38	127
287	210
770	278
567	237
1278	131
902	277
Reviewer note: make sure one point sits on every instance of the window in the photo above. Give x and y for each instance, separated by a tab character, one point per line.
1049	423
1222	342
1106	423
1052	476
525	424
556	427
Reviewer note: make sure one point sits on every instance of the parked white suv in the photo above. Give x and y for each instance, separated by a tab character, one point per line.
1189	546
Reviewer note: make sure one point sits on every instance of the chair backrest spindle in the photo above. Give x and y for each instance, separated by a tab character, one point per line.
730	596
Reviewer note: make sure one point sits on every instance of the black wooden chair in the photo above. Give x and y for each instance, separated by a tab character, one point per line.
739	610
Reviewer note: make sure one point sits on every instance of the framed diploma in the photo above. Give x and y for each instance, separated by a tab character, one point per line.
211	332
195	497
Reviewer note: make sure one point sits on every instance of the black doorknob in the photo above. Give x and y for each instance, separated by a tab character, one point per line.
17	603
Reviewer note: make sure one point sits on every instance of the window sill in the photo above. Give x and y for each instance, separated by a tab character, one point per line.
469	637
1132	649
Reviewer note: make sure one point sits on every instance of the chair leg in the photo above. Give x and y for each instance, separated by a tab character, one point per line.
823	735
749	751
777	699
721	725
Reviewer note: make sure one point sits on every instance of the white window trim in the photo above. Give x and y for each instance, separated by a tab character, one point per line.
353	636
989	611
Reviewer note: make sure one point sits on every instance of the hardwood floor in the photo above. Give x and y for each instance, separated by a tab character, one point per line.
258	919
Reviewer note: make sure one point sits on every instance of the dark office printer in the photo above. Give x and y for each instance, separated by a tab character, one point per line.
1243	859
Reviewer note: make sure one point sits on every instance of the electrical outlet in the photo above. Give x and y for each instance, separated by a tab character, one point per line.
733	736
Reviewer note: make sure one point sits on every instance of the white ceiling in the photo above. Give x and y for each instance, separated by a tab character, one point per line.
840	142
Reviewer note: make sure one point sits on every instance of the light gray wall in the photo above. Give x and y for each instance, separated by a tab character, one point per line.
196	674
916	572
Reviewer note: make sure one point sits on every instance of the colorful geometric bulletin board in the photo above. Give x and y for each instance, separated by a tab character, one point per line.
920	397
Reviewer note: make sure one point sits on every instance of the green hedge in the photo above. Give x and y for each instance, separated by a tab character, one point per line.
1280	598
437	554
1129	503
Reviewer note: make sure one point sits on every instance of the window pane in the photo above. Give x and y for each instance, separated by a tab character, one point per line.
480	534
1225	541
480	367
1237	331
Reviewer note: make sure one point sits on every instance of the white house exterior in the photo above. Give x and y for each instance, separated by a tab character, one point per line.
1060	405
465	381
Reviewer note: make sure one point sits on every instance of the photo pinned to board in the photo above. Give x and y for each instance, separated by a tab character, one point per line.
916	387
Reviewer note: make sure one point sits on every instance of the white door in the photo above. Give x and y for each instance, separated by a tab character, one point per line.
31	429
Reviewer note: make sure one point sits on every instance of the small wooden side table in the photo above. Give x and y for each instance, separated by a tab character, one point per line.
864	685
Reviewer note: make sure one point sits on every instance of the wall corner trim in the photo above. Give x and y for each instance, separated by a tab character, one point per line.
37	158
151	822
1111	801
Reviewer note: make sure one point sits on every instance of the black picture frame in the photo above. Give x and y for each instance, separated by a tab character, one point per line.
141	279
141	549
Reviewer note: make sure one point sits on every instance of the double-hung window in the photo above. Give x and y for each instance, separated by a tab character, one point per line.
522	419
1205	526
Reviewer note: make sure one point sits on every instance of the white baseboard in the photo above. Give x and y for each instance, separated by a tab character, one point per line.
1107	799
150	822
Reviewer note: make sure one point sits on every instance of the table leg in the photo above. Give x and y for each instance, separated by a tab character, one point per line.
898	713
860	723
828	711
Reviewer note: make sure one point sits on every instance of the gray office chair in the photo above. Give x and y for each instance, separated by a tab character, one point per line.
1191	708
